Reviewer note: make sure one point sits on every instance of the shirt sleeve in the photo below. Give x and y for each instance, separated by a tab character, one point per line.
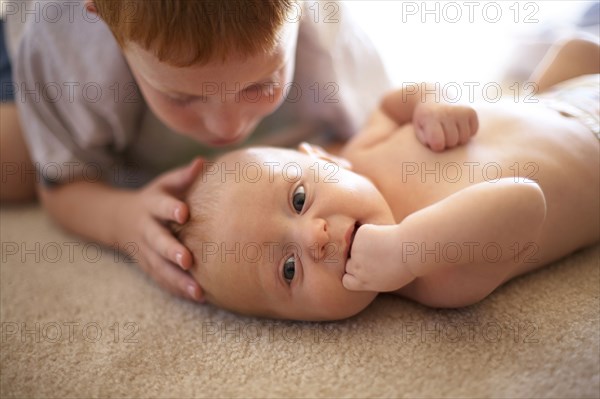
340	71
78	102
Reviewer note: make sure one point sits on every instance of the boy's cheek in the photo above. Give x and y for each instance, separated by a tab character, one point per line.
183	121
190	120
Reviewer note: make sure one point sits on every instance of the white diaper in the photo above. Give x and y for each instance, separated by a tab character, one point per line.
578	98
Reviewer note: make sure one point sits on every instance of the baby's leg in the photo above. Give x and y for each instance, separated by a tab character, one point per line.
566	60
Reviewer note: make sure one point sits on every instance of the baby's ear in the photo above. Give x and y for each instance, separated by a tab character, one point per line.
318	152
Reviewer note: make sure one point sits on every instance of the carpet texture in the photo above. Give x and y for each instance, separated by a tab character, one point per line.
77	322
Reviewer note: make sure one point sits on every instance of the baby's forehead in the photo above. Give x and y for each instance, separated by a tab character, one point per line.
257	167
263	155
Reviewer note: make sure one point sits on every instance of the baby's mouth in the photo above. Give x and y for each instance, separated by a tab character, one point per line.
356	226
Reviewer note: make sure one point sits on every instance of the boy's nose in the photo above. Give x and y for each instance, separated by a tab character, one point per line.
225	124
225	128
315	239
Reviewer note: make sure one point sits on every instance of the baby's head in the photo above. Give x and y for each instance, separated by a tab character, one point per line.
209	69
270	230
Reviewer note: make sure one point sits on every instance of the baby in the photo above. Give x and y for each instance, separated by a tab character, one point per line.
409	208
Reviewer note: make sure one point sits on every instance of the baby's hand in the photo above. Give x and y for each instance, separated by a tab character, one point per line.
442	126
375	262
144	218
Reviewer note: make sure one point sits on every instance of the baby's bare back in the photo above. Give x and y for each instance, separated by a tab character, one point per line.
514	140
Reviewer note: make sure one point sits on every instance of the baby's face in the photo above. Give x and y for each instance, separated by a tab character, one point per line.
284	234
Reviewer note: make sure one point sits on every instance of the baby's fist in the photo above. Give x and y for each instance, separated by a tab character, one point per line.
375	264
442	126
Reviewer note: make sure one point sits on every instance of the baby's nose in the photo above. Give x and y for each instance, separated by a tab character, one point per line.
316	239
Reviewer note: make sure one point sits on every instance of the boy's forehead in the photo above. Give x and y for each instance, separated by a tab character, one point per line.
166	77
235	69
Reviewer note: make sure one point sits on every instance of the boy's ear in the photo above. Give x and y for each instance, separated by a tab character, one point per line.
90	6
318	152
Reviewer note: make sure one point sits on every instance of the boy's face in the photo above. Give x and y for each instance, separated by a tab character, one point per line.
218	103
292	229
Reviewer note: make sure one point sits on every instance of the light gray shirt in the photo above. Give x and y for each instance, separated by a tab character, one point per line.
83	115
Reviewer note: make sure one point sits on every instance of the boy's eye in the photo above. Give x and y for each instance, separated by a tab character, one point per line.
255	87
185	100
298	199
180	101
264	88
289	269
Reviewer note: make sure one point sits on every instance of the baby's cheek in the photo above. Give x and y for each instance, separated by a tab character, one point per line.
340	302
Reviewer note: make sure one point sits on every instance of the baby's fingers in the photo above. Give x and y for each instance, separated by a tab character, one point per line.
352	283
473	121
434	135
451	133
464	131
468	124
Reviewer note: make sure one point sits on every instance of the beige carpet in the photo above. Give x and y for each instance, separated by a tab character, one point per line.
77	323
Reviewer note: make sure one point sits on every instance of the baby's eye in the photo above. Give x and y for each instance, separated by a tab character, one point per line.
298	199
289	269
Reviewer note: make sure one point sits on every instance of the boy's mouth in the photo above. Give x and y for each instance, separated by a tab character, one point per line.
350	237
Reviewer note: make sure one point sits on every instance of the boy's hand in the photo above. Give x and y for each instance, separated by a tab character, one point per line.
375	262
442	126
144	218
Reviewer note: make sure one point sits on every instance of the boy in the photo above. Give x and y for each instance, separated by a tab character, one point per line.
441	221
97	80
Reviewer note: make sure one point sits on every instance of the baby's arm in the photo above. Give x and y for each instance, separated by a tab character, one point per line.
438	124
507	212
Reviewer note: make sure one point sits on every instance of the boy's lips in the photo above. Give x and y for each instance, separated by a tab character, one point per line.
224	142
349	238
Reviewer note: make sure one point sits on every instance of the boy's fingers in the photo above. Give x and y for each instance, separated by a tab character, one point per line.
162	242
174	279
181	283
180	178
168	208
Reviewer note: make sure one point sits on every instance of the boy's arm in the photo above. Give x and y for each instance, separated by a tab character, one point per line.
132	221
506	213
